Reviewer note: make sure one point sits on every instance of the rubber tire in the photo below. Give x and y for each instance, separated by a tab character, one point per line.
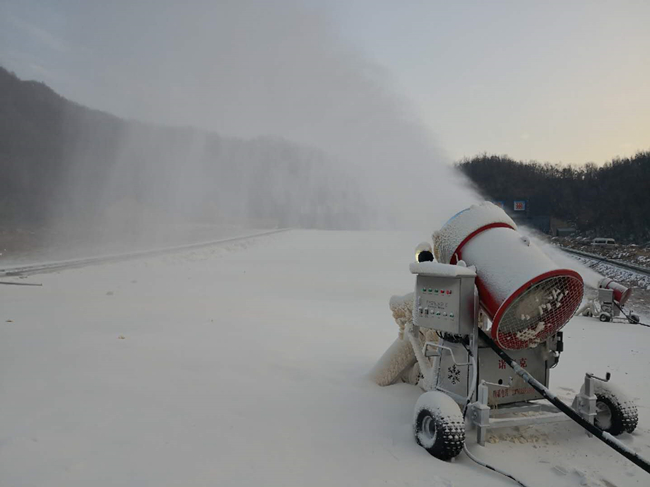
436	410
604	318
625	416
634	319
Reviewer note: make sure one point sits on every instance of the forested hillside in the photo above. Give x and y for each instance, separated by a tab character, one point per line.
610	200
60	161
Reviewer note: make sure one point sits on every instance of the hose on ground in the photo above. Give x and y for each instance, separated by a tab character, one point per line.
603	436
629	317
490	467
465	408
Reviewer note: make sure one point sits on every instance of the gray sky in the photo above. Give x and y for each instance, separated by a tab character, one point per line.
552	81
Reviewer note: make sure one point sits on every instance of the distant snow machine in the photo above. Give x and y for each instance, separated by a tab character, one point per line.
488	291
612	297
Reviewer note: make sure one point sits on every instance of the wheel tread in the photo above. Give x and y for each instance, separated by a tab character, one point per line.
450	430
623	408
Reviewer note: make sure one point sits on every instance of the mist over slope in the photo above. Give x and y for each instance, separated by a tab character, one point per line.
63	163
296	127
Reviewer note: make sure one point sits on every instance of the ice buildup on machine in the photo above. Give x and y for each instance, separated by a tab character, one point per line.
487	276
525	294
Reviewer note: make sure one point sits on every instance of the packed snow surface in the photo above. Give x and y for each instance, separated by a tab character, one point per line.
248	365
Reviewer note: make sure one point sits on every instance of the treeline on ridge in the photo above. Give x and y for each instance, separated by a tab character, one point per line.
609	200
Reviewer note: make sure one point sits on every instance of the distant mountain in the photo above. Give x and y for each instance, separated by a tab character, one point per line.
608	201
63	162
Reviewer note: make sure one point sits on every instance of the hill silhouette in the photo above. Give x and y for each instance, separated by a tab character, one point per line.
63	162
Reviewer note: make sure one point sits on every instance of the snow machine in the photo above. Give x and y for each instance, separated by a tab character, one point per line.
489	289
611	299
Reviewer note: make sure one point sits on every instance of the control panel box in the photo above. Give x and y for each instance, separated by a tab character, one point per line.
444	298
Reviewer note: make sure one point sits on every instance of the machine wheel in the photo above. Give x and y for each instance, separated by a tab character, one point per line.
604	317
615	413
438	425
634	318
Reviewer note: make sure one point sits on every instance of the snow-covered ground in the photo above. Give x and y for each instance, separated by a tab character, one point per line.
247	365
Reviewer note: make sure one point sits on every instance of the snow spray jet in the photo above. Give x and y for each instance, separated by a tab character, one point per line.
244	69
590	277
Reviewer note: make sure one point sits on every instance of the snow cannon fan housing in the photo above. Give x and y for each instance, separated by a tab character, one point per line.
527	297
620	293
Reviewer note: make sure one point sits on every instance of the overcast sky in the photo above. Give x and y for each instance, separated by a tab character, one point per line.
551	81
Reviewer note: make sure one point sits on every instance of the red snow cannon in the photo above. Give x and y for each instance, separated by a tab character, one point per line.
525	294
621	293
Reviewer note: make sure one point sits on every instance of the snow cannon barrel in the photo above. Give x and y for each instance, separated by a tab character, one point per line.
621	293
525	294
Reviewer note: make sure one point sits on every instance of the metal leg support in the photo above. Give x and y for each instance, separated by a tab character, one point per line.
480	414
585	402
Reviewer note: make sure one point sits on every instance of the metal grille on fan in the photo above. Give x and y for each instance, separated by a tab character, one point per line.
538	313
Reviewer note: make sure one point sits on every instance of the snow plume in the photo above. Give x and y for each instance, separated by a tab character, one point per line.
590	277
246	69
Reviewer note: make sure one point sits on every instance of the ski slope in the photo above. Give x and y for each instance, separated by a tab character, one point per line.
246	365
